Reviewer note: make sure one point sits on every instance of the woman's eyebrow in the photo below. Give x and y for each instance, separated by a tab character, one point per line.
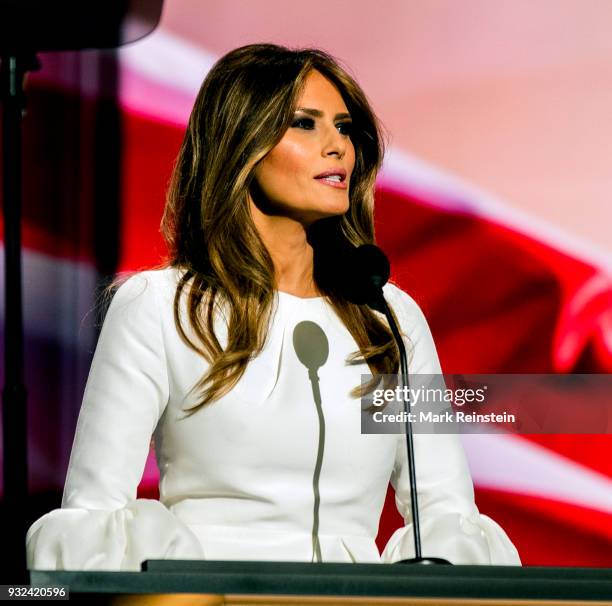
317	113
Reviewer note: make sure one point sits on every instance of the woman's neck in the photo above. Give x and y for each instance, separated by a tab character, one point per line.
292	255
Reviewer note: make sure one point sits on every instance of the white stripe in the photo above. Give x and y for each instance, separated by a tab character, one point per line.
168	60
511	463
58	308
403	171
57	299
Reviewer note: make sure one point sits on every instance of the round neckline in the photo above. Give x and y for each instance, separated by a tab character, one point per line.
289	296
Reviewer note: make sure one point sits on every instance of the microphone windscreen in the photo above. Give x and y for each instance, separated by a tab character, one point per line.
357	273
367	271
371	262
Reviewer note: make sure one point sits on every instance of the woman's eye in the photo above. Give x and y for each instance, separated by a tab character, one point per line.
305	123
346	128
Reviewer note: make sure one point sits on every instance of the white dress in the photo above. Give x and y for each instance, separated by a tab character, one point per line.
237	477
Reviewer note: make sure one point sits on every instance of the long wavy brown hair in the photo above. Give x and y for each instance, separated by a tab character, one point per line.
243	108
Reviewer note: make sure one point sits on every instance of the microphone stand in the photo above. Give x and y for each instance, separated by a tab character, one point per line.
13	68
380	304
360	273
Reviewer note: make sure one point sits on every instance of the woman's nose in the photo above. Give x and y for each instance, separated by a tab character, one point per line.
334	143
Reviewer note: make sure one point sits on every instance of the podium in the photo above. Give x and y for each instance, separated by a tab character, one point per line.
241	583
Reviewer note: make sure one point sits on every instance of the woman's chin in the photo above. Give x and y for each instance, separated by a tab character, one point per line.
330	212
336	208
308	218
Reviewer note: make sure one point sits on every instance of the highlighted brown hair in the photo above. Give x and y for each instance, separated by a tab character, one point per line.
243	108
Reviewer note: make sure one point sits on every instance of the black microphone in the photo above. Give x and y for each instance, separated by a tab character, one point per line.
365	273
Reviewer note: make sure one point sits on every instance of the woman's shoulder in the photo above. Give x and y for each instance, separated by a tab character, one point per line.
157	278
403	303
414	324
148	291
409	313
149	283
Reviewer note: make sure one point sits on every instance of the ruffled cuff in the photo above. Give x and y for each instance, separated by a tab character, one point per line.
86	539
476	539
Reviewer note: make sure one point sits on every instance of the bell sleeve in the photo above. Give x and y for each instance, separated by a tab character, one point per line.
451	525
101	524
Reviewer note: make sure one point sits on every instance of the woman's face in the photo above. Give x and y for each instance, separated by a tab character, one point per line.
291	176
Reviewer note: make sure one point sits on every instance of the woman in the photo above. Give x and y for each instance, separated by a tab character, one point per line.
260	457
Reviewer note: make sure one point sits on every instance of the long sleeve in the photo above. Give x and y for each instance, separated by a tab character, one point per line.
101	524
451	525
